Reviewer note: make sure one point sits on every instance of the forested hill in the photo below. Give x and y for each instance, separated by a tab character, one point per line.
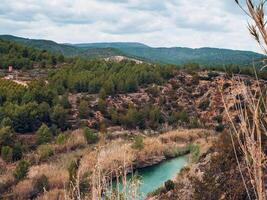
175	55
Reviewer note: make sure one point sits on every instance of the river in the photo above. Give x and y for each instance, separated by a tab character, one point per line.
153	177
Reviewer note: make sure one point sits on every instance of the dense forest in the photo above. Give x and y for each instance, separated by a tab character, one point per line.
23	57
175	55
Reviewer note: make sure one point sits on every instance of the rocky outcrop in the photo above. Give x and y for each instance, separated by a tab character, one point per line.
153	160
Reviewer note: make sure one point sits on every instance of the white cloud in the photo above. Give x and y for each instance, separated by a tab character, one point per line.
190	23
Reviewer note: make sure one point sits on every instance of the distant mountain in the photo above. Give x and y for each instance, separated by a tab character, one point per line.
65	49
175	55
116	45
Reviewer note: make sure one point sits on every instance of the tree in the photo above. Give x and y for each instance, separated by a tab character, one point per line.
21	170
59	117
44	135
83	109
6	153
90	135
138	143
6	136
6	122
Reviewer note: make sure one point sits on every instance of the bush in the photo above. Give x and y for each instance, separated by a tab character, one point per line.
17	152
21	170
204	105
45	151
6	153
90	135
72	169
40	184
61	138
169	185
83	109
6	136
195	152
218	118
138	143
44	135
6	122
219	128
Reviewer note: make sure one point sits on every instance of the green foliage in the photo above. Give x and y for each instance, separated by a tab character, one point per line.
6	153
138	143
6	122
83	109
219	128
179	117
169	185
73	169
218	118
176	152
45	151
6	136
195	152
17	152
109	77
134	118
21	57
90	135
61	138
59	117
21	170
44	135
155	116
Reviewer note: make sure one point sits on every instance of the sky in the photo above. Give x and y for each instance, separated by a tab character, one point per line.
165	23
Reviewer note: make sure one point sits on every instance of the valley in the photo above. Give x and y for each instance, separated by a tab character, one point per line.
74	126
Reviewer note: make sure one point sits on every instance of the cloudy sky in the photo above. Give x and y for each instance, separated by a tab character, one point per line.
188	23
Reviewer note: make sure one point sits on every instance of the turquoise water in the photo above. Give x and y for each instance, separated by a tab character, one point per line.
153	177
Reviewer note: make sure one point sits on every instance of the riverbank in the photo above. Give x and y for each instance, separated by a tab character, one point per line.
107	159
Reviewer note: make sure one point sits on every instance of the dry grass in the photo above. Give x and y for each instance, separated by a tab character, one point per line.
184	136
56	194
152	147
75	140
250	133
23	189
57	177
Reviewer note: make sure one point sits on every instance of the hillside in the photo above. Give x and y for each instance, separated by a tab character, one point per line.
66	50
175	55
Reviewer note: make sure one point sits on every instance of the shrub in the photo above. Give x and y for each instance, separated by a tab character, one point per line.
169	185
6	136
83	109
204	105
195	152
219	128
21	170
44	135
45	151
72	169
183	117
138	143
17	152
6	122
61	138
40	184
90	135
218	118
6	153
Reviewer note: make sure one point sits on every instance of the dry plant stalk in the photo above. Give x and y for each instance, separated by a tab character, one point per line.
106	183
251	133
113	185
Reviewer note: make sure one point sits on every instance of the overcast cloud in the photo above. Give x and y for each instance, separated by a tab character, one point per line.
188	23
